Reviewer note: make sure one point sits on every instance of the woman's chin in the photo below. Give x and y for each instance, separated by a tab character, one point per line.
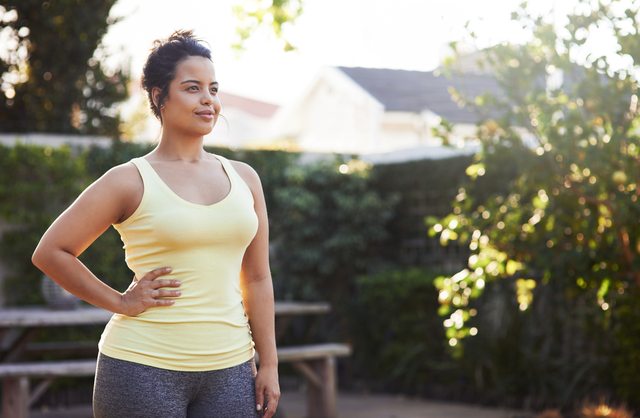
204	131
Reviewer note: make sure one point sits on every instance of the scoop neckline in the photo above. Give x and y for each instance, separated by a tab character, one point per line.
180	198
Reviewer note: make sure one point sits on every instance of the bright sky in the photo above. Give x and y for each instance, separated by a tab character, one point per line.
405	34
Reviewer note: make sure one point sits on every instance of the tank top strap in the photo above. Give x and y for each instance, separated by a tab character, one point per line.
153	184
238	183
234	177
145	170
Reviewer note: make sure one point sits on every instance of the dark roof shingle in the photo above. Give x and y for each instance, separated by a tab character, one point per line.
416	91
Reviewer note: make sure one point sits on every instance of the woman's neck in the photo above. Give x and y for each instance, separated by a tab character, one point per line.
176	147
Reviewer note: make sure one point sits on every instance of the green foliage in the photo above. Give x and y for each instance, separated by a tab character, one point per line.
426	189
36	184
625	356
551	203
397	336
329	225
274	15
52	77
553	353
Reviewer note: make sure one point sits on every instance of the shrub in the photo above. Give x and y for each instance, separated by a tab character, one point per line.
398	338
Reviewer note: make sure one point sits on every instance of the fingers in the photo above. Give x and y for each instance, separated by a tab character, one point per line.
267	400
158	283
259	399
163	293
271	406
155	273
162	302
152	290
157	287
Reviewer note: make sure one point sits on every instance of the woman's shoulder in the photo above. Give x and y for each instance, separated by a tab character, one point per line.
122	172
124	178
123	183
248	173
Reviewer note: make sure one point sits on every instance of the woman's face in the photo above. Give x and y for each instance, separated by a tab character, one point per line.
192	105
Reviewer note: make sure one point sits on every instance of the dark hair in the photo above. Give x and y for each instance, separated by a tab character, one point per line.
161	64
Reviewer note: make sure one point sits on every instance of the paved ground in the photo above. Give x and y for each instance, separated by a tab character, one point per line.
292	405
389	406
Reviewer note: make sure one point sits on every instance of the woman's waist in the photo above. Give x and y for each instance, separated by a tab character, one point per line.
191	312
210	271
204	286
199	261
186	342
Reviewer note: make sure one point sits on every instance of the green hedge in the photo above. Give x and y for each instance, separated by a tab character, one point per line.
35	183
425	188
398	338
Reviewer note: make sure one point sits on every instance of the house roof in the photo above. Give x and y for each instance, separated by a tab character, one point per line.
417	91
251	106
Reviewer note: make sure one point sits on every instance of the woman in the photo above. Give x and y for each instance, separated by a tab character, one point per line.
194	225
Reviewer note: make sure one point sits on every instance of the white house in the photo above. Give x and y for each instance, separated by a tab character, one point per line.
377	112
244	123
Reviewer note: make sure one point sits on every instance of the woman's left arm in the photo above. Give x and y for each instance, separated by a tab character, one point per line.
257	289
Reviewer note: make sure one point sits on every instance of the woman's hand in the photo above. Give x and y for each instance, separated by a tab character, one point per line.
267	390
145	292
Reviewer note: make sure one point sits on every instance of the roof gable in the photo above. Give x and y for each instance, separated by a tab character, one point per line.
417	91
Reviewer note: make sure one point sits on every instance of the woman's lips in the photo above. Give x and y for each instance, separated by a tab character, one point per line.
207	115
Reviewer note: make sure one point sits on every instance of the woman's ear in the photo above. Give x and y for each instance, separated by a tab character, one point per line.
155	95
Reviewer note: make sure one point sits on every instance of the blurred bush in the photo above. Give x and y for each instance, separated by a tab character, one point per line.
35	183
397	335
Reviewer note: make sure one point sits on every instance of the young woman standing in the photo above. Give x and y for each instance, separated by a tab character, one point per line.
182	338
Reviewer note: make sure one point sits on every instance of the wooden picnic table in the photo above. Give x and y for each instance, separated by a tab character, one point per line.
19	325
39	316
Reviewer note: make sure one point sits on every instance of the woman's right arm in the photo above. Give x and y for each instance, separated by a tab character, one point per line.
109	200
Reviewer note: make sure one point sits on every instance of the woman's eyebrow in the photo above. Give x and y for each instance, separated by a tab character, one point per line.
197	82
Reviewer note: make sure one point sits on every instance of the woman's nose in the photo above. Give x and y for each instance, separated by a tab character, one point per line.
207	97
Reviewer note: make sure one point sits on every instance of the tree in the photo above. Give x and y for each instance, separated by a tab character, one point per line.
273	15
52	77
550	208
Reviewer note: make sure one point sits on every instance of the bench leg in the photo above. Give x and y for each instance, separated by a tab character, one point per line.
39	391
15	397
321	401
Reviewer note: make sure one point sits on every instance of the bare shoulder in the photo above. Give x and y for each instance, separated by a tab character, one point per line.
248	174
123	178
121	188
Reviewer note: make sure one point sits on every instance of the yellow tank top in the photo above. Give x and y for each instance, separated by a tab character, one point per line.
206	328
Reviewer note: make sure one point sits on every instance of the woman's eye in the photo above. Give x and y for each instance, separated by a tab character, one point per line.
214	91
193	88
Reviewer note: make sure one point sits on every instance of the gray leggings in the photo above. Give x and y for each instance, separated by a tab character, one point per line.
132	390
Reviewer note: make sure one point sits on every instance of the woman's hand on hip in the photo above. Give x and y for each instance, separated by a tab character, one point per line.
267	390
148	292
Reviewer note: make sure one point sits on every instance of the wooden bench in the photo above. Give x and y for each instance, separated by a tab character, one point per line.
16	394
317	363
